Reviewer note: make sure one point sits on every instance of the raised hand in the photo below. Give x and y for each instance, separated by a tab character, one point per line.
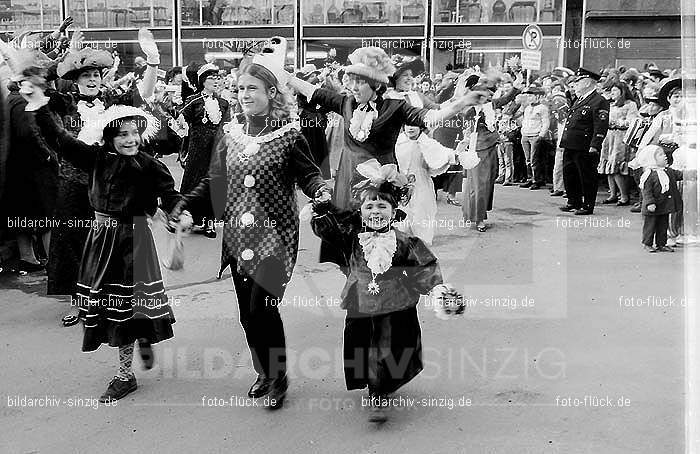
76	41
65	24
149	47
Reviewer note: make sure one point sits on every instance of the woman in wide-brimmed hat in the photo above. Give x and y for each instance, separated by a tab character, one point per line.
120	289
372	122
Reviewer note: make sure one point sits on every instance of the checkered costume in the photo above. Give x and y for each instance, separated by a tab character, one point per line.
260	212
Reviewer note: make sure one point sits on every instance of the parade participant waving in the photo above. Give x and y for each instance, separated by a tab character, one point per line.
204	113
372	122
256	164
120	289
84	68
402	84
388	272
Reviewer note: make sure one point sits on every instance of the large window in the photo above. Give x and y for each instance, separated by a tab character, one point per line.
317	12
128	51
498	11
228	54
30	14
238	12
120	13
320	52
466	53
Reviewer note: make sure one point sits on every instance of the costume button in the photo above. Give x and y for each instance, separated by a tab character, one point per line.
247	254
249	181
247	219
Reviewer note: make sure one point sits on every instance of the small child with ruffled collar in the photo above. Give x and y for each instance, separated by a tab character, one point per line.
387	272
660	196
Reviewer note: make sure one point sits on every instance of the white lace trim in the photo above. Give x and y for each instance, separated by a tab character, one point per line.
378	250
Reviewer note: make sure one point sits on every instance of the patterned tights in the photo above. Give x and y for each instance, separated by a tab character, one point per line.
126	356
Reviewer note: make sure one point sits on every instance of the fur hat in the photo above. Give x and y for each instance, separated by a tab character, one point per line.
371	62
93	130
81	60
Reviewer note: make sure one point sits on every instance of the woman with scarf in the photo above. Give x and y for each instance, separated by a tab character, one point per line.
256	165
84	68
204	113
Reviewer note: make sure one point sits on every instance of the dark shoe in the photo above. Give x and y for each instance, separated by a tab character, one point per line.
636	208
609	200
564	195
278	393
499	181
583	211
568	208
118	389
146	352
452	201
481	227
623	203
536	186
210	233
261	387
665	249
507	183
557	194
650	248
527	184
26	267
377	412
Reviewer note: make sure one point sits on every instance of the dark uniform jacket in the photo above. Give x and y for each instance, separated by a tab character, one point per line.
586	124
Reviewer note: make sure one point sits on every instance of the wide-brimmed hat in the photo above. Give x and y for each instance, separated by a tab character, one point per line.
584	73
415	65
372	63
81	60
93	130
665	90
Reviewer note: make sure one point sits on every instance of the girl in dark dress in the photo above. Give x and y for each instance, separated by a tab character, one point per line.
388	271
120	290
84	68
256	165
204	113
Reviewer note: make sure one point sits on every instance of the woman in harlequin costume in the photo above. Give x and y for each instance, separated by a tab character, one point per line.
84	67
120	289
388	272
204	112
256	165
373	122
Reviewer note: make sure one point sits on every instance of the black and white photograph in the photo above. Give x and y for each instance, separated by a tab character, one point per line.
349	227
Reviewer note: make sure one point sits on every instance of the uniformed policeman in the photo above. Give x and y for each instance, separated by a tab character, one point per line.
582	139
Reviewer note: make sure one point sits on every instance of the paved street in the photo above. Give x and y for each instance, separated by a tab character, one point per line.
572	342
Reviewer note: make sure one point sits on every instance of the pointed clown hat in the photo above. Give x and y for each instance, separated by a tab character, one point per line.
272	57
371	62
93	130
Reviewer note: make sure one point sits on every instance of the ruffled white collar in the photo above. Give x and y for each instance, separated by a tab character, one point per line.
378	249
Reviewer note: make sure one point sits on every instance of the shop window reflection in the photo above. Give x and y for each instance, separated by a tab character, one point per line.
30	14
237	12
116	14
497	11
320	12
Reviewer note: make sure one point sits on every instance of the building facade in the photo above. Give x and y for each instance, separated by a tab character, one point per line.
446	33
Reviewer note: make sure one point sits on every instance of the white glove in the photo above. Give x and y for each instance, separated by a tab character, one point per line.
149	47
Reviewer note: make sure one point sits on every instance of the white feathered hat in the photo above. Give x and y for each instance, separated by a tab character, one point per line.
371	62
273	56
93	130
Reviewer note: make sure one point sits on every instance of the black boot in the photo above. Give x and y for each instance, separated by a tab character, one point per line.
261	386
278	392
118	389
